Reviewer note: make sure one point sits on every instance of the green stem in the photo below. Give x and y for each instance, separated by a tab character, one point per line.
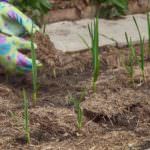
143	75
26	117
94	86
34	96
34	69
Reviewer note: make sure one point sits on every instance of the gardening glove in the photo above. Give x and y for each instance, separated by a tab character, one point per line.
13	60
14	22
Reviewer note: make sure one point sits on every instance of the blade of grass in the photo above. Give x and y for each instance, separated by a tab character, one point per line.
26	117
80	117
130	45
142	53
78	109
91	33
34	68
84	41
132	56
148	26
95	51
93	29
138	29
142	59
127	39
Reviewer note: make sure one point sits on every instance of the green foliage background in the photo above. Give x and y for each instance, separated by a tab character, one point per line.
112	8
36	9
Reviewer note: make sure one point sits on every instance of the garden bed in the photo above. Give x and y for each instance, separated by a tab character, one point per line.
116	116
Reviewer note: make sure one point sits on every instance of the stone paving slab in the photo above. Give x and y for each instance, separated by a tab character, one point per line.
66	35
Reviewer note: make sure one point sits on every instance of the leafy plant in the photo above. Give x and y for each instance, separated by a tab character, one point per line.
35	8
112	8
94	35
141	61
26	117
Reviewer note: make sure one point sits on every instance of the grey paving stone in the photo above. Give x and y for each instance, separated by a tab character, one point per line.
66	35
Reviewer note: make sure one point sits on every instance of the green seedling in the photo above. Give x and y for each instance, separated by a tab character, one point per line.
78	109
94	35
26	117
131	59
148	25
34	68
141	61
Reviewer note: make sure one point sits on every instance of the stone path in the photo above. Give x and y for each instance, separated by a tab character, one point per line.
66	35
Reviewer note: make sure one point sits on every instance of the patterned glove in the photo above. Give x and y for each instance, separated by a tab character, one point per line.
13	21
11	59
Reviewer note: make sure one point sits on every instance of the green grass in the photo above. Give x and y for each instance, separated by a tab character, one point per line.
148	26
132	57
141	62
93	29
79	114
26	117
138	29
78	109
94	35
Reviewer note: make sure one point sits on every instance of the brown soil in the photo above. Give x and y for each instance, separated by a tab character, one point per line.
58	61
116	116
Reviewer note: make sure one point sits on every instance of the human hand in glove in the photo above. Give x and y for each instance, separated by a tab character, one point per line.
13	60
14	22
